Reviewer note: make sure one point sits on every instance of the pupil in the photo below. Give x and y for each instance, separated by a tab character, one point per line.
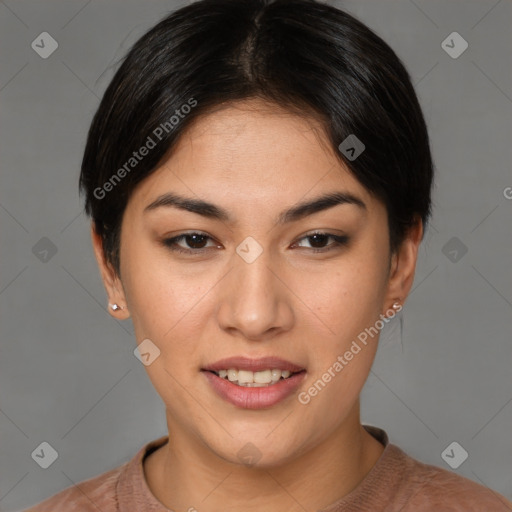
318	240
194	244
316	237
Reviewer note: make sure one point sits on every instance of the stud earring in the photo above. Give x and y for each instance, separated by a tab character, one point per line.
115	307
397	305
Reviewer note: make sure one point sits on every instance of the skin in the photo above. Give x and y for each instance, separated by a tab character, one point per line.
256	160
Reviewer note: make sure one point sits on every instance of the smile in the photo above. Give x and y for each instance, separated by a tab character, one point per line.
250	379
253	395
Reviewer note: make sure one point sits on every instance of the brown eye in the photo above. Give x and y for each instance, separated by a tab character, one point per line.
195	243
318	241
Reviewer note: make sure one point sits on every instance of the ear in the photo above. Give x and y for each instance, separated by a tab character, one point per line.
403	266
110	278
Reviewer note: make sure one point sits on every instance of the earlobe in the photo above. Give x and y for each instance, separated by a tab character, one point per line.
115	307
111	281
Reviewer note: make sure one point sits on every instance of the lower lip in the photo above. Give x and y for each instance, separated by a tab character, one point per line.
254	398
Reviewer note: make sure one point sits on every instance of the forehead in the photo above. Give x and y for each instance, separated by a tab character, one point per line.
251	129
252	151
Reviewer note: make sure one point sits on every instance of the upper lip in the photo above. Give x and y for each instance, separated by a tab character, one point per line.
253	365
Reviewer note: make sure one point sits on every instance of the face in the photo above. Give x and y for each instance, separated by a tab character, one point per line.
256	283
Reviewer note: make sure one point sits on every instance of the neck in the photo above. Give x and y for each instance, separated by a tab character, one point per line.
185	475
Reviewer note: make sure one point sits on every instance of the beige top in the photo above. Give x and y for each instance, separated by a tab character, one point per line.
397	483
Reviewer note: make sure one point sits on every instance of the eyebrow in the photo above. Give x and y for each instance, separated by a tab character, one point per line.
295	213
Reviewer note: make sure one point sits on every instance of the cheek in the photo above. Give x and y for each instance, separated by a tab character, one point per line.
341	297
347	303
150	294
333	305
167	305
348	298
166	309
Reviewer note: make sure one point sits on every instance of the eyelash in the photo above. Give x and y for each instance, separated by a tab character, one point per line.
170	243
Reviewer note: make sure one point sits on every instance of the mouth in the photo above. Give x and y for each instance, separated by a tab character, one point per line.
254	383
260	379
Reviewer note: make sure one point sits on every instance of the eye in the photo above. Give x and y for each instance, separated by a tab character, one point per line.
196	242
318	240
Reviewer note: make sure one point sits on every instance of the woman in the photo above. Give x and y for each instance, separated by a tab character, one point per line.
258	177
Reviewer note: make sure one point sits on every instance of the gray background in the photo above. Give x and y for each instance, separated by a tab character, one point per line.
68	373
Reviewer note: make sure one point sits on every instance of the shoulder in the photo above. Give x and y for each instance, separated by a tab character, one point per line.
434	488
96	493
116	490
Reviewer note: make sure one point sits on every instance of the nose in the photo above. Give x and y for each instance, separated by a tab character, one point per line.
255	299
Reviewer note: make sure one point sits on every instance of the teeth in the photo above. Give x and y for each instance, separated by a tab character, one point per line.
263	377
247	378
275	375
